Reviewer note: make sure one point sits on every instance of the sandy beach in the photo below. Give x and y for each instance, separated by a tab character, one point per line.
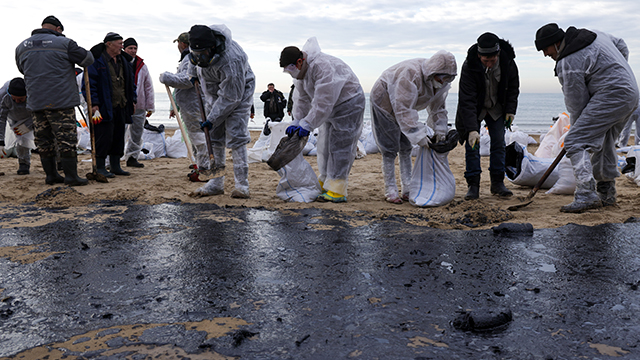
164	180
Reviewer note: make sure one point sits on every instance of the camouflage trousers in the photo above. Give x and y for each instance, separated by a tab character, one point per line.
55	127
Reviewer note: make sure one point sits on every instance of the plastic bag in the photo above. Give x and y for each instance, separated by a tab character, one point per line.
525	169
298	182
175	146
84	138
432	182
551	143
154	143
566	184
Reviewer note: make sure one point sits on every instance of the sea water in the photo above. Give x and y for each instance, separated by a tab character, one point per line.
534	115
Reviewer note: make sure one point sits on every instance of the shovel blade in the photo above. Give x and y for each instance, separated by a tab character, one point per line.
97	177
287	150
205	175
519	206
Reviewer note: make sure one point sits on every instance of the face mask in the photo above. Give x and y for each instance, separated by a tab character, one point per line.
203	58
292	70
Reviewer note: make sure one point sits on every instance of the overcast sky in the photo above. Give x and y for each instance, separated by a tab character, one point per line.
368	35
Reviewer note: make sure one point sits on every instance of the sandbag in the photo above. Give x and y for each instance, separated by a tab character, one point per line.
432	182
153	142
84	138
175	146
525	169
566	184
298	182
634	152
254	154
551	143
369	141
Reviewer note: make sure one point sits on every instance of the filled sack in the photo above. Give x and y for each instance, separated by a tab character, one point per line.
525	169
566	184
432	182
298	182
175	146
553	139
153	145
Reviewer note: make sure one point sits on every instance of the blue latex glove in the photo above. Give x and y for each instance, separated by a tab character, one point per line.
302	132
207	124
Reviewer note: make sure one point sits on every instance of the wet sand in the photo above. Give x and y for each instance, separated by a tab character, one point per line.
164	180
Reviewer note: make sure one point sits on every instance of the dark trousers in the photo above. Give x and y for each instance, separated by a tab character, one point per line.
497	150
110	135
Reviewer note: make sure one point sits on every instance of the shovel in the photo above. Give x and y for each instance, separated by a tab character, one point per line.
94	175
194	175
529	198
215	171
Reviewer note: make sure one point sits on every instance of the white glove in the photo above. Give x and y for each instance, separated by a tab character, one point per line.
474	139
162	77
424	142
3	154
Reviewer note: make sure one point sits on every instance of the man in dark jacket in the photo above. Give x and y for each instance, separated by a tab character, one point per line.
47	59
489	89
601	93
274	103
113	93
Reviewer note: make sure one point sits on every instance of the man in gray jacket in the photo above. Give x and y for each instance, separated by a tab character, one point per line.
47	59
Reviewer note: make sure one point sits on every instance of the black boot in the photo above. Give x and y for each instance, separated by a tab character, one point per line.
497	186
133	162
70	167
101	169
473	182
116	169
23	169
49	167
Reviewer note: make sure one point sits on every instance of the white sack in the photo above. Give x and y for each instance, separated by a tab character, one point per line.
566	184
298	182
153	142
551	140
432	182
175	146
525	169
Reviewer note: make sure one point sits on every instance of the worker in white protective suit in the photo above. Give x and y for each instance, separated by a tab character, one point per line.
601	93
187	101
228	85
396	97
328	96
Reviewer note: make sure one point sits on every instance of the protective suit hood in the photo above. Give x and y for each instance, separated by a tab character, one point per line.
576	39
442	62
311	48
222	30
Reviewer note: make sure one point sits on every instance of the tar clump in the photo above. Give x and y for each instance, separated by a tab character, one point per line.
483	321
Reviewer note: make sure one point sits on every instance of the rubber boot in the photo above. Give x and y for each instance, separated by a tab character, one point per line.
70	167
50	168
133	162
497	186
23	169
405	174
240	173
473	184
389	176
101	169
607	192
116	169
585	198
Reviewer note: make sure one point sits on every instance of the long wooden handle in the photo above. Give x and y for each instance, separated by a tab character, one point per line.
547	173
90	124
203	114
185	134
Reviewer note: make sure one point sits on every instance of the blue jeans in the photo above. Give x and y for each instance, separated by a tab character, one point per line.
497	151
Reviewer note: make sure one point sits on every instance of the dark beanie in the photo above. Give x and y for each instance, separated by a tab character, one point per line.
548	35
129	42
111	36
201	37
289	55
488	44
16	87
53	21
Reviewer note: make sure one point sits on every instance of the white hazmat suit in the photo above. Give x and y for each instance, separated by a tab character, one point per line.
600	93
228	86
187	100
396	97
330	97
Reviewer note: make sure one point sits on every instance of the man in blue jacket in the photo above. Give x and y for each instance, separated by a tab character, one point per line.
47	59
113	93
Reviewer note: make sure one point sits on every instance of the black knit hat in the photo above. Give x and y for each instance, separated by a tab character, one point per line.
290	55
201	37
129	42
548	35
53	21
111	36
488	44
16	87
